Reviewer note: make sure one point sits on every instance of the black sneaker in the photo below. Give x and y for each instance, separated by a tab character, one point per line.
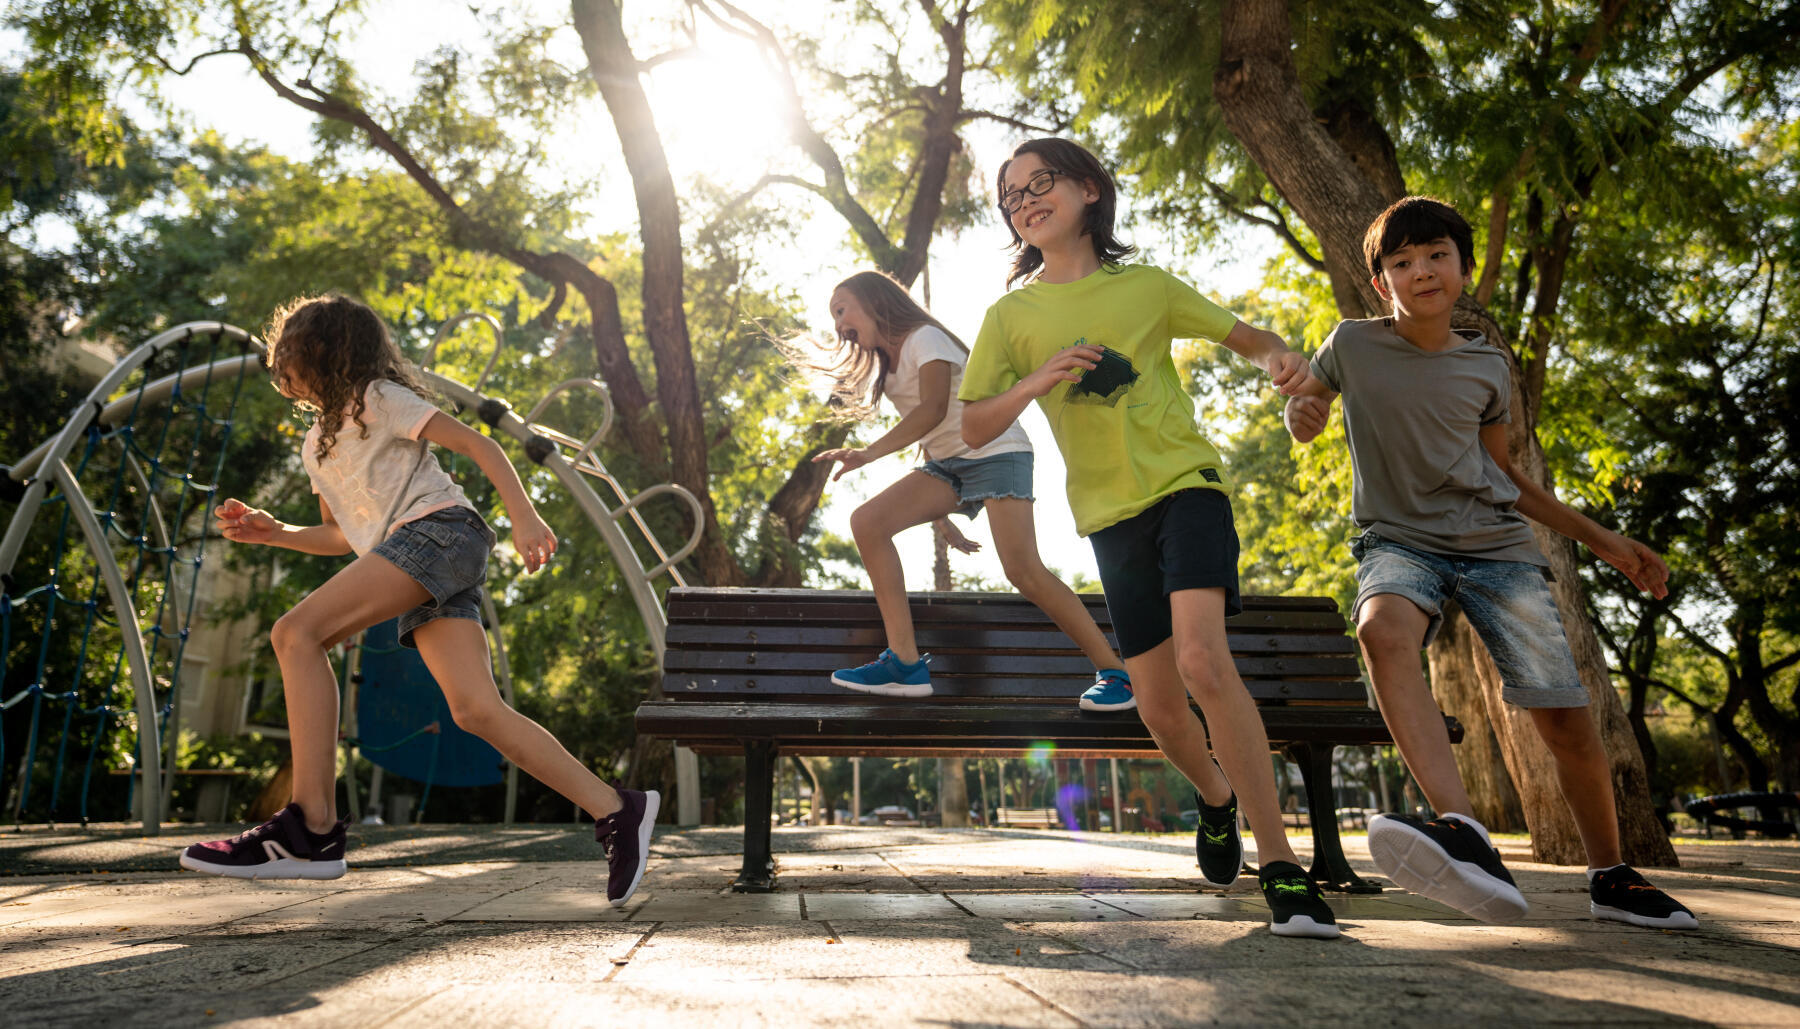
1449	861
280	848
626	836
1622	895
1295	903
1217	843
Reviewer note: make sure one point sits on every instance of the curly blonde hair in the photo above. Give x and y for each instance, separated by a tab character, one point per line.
324	351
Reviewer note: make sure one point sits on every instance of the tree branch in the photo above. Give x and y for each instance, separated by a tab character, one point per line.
1278	223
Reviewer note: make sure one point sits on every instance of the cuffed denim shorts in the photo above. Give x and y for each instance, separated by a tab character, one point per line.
446	552
995	477
1508	603
1185	541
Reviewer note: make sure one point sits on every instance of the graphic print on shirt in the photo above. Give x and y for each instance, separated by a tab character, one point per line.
1110	379
366	504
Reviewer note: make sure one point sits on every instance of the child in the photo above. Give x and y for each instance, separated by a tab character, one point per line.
1440	507
899	351
422	555
1089	339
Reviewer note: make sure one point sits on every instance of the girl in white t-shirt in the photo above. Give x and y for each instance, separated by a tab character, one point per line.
898	350
421	554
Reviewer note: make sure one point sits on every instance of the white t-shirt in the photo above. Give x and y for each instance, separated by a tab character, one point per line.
929	343
373	485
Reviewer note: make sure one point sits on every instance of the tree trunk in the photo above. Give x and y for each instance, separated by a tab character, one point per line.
953	792
1454	657
1257	88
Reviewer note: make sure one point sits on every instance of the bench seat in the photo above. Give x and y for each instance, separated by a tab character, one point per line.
747	671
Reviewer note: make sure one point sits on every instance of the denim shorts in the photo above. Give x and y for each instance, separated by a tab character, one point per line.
995	477
1508	603
447	552
1185	541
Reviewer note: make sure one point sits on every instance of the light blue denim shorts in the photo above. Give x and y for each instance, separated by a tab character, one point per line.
1508	603
446	552
984	478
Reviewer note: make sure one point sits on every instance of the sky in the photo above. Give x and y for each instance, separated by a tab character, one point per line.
718	116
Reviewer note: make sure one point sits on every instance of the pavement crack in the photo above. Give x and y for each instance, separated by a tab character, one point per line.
916	884
1041	999
619	963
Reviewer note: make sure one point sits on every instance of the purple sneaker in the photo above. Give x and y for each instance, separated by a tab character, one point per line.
626	836
280	848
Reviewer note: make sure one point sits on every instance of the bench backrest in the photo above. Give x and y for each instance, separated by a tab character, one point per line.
783	645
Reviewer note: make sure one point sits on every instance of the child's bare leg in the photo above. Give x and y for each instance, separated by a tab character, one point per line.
1391	630
370	590
1163	706
456	652
1203	657
1015	539
914	500
1585	775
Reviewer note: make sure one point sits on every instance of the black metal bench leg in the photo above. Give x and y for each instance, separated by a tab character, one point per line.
758	873
1330	868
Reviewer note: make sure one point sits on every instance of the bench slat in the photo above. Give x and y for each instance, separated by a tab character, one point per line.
944	687
1013	611
688	662
976	726
946	640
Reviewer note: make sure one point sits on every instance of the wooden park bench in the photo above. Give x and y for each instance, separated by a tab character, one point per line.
1027	818
748	670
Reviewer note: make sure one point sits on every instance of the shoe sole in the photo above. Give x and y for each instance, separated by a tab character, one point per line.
1678	920
1088	705
285	868
646	829
895	690
1304	927
1418	865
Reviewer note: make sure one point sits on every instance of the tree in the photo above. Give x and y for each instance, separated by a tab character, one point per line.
1554	108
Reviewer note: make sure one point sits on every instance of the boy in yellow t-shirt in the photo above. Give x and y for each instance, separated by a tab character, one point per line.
1088	339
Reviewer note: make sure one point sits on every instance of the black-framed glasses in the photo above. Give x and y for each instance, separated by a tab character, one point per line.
1043	182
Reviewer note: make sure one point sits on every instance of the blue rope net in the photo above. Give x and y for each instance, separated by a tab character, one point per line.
68	707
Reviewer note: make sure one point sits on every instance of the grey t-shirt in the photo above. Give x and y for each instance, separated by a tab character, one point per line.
1414	420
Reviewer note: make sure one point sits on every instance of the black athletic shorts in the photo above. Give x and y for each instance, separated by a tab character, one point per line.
1186	540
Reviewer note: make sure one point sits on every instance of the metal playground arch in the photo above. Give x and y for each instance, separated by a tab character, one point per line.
125	490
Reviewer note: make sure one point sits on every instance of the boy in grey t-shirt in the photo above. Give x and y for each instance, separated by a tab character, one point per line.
1442	513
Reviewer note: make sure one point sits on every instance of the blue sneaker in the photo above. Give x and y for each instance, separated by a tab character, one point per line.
888	676
1111	691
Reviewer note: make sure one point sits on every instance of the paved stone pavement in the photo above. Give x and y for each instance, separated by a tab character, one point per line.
460	925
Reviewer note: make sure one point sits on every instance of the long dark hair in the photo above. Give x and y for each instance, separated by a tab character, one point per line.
857	375
1073	160
332	347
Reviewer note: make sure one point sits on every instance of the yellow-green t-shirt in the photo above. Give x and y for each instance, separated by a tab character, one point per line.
1126	430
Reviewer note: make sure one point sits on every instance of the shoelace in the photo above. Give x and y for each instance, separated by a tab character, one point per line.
1287	884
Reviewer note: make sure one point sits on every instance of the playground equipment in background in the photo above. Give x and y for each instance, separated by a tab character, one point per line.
150	447
1719	811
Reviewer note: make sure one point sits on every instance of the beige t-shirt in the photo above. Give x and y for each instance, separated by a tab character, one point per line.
375	484
1413	419
929	343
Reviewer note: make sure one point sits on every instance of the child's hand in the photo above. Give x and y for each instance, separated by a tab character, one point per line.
851	457
241	523
1289	372
955	540
1306	417
1639	563
1066	365
534	541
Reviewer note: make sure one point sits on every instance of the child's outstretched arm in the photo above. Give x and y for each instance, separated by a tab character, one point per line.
984	420
1640	564
934	402
531	537
1286	369
242	523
